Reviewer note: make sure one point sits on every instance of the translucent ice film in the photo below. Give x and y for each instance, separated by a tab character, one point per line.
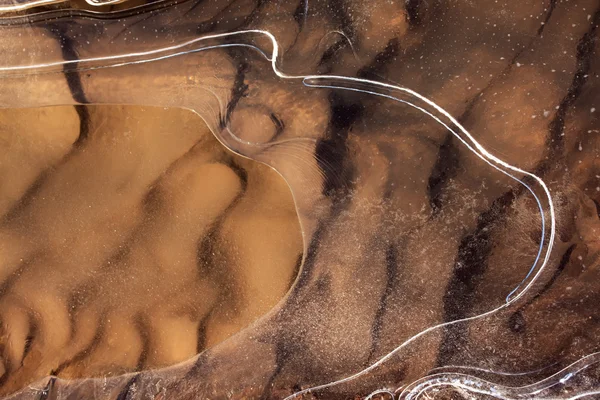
299	199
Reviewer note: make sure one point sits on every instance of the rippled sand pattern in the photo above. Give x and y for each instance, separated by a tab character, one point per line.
131	240
442	242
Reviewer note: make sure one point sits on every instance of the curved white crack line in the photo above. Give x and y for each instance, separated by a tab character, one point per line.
421	386
482	153
540	208
470	389
24	6
27	5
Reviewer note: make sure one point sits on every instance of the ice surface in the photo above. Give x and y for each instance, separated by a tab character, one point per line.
436	224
